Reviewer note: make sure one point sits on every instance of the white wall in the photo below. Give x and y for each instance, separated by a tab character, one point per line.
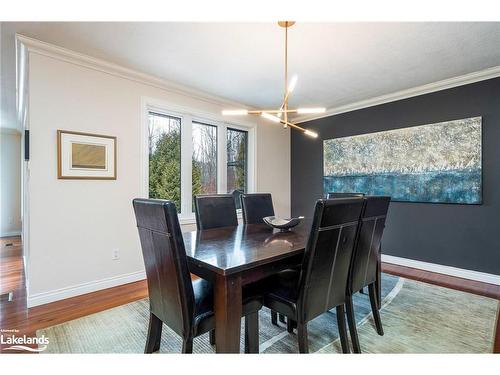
74	225
10	183
10	141
7	79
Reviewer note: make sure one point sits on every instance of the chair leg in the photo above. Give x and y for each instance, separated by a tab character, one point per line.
302	337
252	333
362	291
290	324
378	280
274	318
344	342
282	318
187	345
375	308
154	334
212	337
351	320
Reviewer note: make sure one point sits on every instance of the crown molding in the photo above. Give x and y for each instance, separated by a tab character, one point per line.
46	49
449	83
50	50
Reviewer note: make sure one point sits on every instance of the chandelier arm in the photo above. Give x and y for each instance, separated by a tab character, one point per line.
285	101
292	125
308	132
260	111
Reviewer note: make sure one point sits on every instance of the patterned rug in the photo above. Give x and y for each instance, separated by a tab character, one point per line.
417	318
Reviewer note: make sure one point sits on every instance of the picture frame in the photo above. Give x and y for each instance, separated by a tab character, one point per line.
85	156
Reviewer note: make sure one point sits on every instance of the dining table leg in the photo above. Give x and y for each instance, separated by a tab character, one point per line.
227	308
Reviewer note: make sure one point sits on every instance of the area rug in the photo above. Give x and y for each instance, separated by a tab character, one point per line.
417	318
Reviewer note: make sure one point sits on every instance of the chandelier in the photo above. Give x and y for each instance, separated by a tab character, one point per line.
281	115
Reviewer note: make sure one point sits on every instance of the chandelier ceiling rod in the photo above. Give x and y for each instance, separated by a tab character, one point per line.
285	99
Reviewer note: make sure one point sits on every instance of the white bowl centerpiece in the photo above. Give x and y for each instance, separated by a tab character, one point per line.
283	225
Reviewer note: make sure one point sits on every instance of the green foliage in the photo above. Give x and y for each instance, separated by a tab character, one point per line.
165	172
196	176
165	169
240	168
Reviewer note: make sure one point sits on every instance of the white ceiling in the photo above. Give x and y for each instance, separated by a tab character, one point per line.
337	63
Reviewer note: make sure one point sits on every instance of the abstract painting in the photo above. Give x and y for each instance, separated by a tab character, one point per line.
83	156
437	163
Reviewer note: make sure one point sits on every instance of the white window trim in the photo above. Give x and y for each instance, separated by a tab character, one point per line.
187	116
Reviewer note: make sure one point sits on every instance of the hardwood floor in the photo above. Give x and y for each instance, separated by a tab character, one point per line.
86	304
15	315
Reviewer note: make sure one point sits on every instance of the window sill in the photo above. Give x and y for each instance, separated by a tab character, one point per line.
187	220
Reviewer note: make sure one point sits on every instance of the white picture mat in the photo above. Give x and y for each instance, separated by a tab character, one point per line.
66	154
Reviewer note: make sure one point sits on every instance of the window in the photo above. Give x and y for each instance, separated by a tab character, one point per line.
164	141
237	145
204	167
189	154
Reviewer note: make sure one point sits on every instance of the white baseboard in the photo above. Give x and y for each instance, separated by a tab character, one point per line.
10	234
76	290
446	270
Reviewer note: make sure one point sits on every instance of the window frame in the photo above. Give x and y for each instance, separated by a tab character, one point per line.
217	146
171	115
230	128
187	116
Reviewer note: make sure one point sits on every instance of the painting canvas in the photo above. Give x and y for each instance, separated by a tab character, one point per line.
438	163
83	156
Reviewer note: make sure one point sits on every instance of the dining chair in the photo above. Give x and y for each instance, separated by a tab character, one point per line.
184	305
254	208
215	211
320	284
333	195
364	270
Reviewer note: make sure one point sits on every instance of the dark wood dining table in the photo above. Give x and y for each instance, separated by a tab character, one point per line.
232	257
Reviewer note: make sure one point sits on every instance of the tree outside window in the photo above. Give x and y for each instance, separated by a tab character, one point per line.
237	145
165	158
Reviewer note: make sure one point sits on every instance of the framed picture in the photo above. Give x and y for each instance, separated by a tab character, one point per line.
83	156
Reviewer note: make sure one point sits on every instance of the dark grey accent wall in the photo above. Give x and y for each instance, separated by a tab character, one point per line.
463	236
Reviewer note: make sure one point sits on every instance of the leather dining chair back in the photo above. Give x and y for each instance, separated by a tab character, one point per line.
170	289
333	195
215	211
365	256
365	264
327	257
256	206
